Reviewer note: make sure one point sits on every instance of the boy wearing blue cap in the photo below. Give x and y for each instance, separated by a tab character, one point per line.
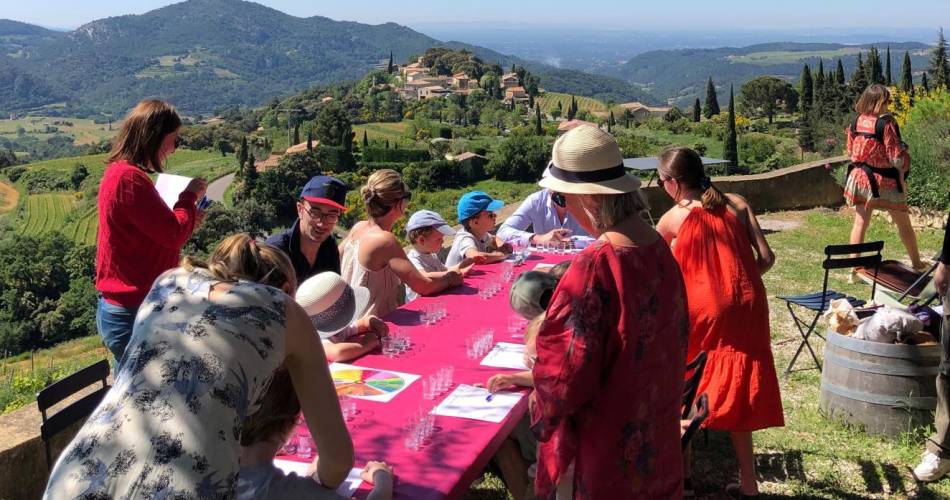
476	213
426	231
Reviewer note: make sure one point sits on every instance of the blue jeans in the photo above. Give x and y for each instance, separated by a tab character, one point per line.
115	327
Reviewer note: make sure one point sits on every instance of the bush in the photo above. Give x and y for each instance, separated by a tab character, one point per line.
755	148
520	158
439	175
926	133
44	181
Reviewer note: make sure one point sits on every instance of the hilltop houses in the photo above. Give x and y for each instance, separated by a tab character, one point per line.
640	112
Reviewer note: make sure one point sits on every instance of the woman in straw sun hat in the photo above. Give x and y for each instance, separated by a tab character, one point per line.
620	313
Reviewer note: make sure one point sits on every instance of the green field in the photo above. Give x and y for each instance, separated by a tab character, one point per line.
83	131
381	130
785	57
46	212
549	100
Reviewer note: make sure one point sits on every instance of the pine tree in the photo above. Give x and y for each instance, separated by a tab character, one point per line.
538	130
939	65
731	148
712	102
309	140
907	76
242	153
697	111
839	73
924	83
365	140
873	67
806	91
389	68
887	67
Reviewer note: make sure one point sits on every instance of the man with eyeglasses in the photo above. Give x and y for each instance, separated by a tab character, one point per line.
546	214
309	242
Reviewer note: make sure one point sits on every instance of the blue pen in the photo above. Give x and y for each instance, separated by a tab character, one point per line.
489	397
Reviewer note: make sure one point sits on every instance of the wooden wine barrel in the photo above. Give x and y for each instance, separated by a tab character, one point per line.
886	388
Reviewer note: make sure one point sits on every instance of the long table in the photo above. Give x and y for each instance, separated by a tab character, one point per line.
459	448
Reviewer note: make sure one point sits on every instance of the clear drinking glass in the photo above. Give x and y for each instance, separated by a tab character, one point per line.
304	446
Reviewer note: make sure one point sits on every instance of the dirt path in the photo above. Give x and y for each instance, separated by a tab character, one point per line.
8	197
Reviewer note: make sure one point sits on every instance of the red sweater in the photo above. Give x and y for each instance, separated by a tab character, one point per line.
139	237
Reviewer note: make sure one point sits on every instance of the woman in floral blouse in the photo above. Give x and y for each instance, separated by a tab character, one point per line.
611	352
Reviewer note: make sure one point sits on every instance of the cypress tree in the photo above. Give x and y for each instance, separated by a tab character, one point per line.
939	65
530	101
572	109
839	73
818	87
697	111
924	83
712	102
859	80
626	117
365	140
806	93
250	176
296	137
731	148
309	141
538	130
387	143
389	68
610	120
907	75
887	67
875	72
242	153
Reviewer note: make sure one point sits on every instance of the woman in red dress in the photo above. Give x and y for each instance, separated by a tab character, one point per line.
879	163
713	236
612	349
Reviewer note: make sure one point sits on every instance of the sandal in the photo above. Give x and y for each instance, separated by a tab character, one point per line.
734	490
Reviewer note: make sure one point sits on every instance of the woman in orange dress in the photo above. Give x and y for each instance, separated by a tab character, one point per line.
722	253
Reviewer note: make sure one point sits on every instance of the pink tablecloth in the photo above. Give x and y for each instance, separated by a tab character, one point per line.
460	448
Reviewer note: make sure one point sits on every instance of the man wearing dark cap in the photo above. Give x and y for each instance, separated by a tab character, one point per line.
309	242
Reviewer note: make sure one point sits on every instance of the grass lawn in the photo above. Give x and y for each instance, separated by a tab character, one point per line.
380	131
82	130
811	457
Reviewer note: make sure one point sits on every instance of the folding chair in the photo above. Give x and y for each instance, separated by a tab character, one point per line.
816	303
695	369
74	412
689	427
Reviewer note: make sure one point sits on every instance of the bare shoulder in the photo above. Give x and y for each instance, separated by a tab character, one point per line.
671	221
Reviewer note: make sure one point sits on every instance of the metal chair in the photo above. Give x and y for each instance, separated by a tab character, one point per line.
696	366
699	416
816	303
75	411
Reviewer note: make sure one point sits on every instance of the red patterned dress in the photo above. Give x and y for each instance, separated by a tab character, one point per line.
872	152
609	376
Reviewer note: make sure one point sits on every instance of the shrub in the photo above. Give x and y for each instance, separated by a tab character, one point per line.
521	158
927	132
755	148
372	155
43	181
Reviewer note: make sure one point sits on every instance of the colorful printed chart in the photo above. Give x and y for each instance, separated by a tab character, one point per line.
369	383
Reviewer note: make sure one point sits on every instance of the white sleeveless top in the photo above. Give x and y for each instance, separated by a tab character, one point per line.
385	288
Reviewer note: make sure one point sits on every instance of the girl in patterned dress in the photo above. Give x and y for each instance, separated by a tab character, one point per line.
878	167
204	348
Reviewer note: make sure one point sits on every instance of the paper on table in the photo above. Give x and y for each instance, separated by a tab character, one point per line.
506	355
468	401
346	488
369	383
543	267
170	186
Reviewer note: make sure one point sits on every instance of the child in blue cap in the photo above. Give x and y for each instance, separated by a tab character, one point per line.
476	213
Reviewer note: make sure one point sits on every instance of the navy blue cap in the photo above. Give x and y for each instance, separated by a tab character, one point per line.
474	202
327	190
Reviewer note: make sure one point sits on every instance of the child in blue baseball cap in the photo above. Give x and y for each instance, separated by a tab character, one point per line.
476	213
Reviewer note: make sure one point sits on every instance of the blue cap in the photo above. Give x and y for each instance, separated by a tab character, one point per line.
327	190
474	202
428	218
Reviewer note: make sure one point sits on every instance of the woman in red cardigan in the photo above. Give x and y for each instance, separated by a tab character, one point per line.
139	236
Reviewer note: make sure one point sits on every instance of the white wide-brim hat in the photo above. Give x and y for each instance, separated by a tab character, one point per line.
587	160
331	303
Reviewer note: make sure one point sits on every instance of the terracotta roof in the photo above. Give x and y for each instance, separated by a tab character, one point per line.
515	89
270	162
300	148
326	99
460	74
508	76
569	124
464	156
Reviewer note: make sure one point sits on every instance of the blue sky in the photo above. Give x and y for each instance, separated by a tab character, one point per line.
645	15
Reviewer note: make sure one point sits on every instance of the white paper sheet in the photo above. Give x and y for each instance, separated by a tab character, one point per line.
468	401
170	186
347	487
543	267
938	309
506	355
374	384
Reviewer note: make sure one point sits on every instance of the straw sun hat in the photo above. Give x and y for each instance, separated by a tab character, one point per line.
331	303
587	160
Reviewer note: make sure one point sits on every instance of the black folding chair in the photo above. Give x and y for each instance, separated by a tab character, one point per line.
699	416
74	412
816	303
695	371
